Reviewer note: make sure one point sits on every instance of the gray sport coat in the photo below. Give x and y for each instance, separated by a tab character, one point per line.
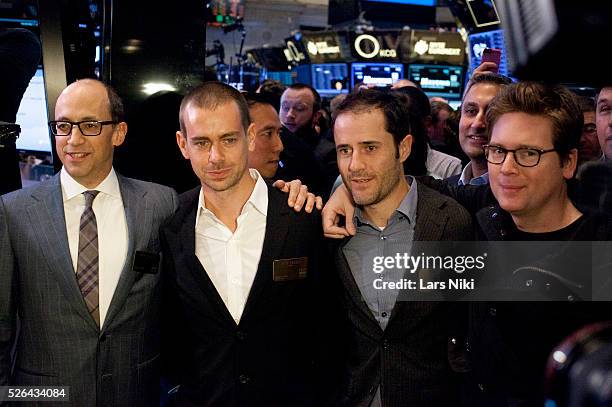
57	342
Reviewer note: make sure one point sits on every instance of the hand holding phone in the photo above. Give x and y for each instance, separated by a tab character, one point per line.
492	55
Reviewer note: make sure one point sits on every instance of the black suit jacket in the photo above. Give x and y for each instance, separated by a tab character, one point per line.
280	354
415	358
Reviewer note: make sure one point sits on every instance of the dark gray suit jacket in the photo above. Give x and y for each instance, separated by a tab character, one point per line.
58	343
414	359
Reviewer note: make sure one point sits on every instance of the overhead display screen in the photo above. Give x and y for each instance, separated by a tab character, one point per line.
438	80
377	74
329	79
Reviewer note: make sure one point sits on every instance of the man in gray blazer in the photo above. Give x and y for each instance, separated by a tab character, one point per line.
400	353
79	265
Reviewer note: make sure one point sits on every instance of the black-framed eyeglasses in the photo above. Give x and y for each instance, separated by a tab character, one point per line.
525	157
87	127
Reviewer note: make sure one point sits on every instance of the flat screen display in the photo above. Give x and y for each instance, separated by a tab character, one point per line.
329	79
478	42
438	80
283	77
32	117
381	75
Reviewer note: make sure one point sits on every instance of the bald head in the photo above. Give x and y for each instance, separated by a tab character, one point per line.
105	95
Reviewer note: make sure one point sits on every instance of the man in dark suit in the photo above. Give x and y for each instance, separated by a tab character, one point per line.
401	353
79	265
249	319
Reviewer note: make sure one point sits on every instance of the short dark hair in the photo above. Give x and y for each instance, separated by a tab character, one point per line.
489	78
317	98
211	95
253	99
419	111
273	91
436	108
587	104
396	114
554	102
116	104
599	92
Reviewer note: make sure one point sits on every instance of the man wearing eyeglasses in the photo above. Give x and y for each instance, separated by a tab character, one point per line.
79	265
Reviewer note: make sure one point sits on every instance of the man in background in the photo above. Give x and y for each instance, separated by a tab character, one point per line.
267	144
309	151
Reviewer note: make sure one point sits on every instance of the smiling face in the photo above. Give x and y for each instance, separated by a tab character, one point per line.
368	158
264	139
472	125
216	145
88	159
604	121
529	191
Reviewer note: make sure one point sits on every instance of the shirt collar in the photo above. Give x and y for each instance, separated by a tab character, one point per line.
407	207
467	177
258	198
71	187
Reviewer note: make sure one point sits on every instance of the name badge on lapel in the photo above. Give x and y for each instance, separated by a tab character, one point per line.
290	269
145	262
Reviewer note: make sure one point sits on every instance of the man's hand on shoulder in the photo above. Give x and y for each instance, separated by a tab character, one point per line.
299	195
339	204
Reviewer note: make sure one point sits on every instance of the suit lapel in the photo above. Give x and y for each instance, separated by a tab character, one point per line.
430	222
351	286
138	216
277	227
186	251
431	219
48	212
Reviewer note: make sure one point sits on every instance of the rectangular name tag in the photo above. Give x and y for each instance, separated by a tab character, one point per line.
145	262
290	269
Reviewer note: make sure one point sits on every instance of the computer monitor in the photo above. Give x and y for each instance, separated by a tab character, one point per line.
445	81
329	79
283	77
377	74
477	43
32	117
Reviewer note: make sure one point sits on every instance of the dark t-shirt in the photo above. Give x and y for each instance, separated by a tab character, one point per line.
582	229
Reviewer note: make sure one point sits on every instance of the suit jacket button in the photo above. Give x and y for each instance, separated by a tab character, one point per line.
493	311
385	344
240	335
243	379
103	337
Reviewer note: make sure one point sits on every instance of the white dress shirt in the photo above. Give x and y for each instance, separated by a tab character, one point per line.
112	230
231	259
